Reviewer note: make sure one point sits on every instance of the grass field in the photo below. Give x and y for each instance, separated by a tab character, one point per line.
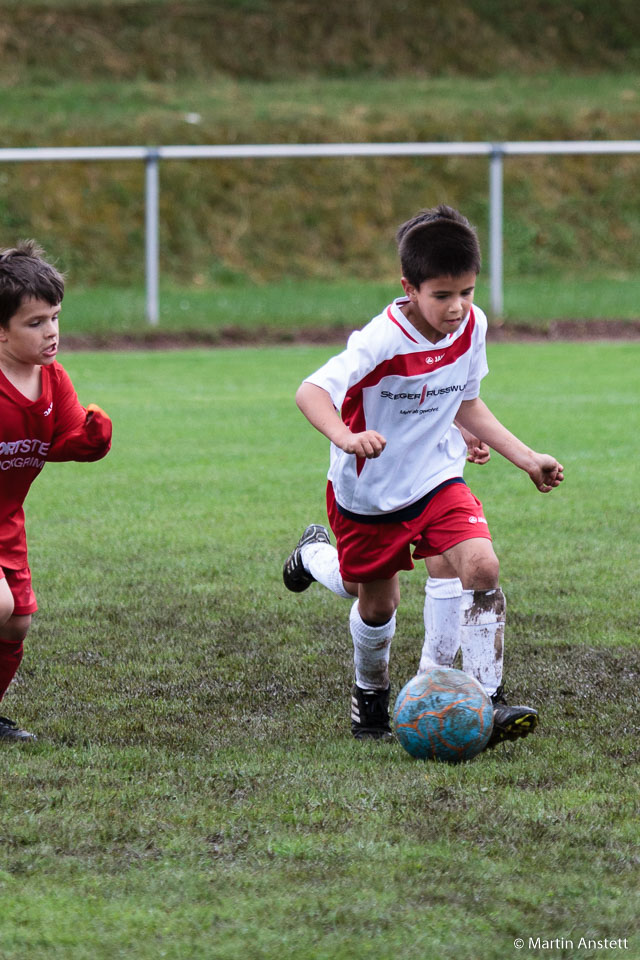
284	310
195	792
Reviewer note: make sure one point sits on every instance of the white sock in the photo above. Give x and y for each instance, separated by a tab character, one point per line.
441	623
321	560
482	636
371	648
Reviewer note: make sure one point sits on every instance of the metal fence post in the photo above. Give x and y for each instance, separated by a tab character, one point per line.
495	230
152	155
151	237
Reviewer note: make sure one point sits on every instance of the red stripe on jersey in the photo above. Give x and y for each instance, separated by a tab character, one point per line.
403	365
393	320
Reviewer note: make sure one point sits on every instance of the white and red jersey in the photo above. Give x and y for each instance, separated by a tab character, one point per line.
53	427
390	378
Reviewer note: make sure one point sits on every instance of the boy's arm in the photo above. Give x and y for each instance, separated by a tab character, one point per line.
544	470
87	440
477	450
79	433
317	406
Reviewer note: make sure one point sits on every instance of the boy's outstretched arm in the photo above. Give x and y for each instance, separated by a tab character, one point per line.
477	450
87	437
544	470
318	408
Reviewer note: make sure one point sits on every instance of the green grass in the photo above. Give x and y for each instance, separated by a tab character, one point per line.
195	791
329	220
283	311
505	106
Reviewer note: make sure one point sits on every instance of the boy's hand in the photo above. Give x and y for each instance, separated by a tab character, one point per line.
547	472
369	444
94	408
478	452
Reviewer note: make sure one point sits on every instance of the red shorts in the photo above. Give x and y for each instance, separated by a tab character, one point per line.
19	582
377	551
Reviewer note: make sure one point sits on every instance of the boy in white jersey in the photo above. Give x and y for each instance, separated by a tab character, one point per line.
388	403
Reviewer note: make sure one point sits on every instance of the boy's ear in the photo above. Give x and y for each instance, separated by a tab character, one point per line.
408	288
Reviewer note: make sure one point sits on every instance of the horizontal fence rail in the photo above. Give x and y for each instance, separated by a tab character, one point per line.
151	157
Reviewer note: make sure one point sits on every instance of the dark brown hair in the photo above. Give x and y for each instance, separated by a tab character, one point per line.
25	273
437	243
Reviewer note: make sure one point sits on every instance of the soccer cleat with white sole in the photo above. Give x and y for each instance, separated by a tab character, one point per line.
296	577
9	730
370	714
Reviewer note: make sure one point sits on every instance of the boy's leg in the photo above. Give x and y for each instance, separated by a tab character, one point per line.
7	603
314	558
483	608
443	595
12	635
13	630
10	645
372	622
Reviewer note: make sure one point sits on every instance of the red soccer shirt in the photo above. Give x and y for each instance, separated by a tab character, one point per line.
54	427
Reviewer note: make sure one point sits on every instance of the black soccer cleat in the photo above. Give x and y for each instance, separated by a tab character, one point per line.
295	577
370	714
510	723
9	730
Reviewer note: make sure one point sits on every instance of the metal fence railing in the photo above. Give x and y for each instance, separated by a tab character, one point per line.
151	157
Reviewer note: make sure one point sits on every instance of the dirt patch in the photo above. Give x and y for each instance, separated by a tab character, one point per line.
582	330
568	330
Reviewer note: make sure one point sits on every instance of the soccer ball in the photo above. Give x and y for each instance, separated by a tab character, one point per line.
443	714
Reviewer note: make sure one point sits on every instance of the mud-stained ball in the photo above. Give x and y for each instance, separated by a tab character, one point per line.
443	714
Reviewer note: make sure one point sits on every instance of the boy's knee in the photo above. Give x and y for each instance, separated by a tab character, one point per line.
482	574
475	563
376	611
6	608
15	629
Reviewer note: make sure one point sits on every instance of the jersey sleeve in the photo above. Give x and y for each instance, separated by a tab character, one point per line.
79	433
479	367
345	369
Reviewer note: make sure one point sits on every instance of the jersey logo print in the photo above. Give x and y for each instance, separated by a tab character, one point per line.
48	410
411	364
401	365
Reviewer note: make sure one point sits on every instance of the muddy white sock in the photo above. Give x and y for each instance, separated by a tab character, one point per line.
482	636
371	648
441	623
321	560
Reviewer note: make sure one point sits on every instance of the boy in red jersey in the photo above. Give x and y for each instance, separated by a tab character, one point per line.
389	404
41	420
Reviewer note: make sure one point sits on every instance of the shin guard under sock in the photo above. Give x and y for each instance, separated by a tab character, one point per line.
441	623
371	648
482	636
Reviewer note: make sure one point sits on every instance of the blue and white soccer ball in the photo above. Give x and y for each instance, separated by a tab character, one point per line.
443	714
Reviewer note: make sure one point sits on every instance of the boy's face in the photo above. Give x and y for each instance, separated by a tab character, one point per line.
438	306
32	334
